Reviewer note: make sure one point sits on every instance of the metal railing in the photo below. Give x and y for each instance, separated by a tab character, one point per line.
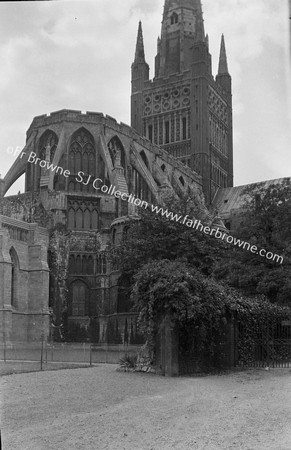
47	352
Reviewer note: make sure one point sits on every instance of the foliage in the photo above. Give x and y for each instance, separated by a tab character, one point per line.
81	243
198	306
154	237
58	251
61	242
172	288
174	272
137	362
128	361
257	319
266	224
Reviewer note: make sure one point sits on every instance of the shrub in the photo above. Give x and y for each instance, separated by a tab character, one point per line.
128	361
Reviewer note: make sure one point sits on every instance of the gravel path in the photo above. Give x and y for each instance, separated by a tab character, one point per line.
99	408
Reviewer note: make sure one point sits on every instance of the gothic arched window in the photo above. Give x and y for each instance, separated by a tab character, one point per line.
174	18
79	298
82	158
14	276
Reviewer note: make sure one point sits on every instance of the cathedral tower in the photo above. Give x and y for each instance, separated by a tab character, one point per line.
184	109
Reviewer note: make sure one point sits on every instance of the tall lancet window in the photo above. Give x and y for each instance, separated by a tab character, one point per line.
82	158
174	18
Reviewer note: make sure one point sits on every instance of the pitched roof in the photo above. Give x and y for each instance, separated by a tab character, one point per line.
230	199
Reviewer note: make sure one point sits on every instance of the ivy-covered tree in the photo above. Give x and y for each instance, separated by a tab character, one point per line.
266	223
172	288
201	309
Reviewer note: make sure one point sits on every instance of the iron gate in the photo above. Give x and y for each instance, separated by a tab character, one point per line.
268	344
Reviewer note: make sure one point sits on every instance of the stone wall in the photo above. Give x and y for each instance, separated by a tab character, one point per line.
24	281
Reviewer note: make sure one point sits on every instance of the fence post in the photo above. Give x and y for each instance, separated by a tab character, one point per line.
41	353
46	352
90	355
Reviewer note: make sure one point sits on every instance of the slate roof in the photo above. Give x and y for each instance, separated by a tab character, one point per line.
231	199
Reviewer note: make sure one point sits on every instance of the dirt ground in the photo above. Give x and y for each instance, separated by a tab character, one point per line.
99	408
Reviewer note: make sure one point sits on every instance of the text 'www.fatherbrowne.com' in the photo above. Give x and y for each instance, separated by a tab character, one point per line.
196	224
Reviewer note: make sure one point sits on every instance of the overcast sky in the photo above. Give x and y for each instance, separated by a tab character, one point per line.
77	55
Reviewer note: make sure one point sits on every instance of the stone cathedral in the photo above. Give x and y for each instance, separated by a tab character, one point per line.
86	176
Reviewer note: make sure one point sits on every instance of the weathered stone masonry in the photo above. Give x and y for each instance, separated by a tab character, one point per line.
24	281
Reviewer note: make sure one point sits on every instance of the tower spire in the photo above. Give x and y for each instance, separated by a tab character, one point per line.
222	67
139	50
190	4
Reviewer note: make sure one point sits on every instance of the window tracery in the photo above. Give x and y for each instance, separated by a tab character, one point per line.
79	298
82	158
83	214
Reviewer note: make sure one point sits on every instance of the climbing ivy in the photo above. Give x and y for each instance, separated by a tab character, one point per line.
59	249
200	308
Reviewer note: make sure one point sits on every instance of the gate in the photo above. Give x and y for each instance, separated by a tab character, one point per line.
268	344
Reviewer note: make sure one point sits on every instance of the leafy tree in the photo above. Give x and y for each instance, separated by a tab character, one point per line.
155	237
266	224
